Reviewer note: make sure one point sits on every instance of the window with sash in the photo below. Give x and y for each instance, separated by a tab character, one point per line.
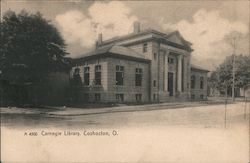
201	82
97	97
119	97
192	82
86	75
138	97
138	77
145	48
119	75
98	75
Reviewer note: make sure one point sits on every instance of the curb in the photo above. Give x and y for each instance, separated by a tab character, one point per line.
148	108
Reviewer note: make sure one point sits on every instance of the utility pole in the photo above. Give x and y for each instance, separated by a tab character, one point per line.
225	115
233	41
1	87
234	46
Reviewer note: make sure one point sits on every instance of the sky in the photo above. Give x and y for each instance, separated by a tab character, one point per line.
208	25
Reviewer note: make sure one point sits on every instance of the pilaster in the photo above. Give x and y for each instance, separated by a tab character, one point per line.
179	74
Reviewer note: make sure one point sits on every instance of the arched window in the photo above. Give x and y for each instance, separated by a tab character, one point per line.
201	82
192	82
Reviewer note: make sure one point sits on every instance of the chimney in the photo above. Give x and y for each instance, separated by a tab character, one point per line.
136	27
99	38
99	41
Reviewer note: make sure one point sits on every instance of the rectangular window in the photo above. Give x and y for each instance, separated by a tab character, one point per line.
97	97
138	97
76	71
192	96
155	56
201	97
119	75
98	75
76	79
138	77
145	48
192	82
201	82
154	83
119	97
86	75
155	97
170	60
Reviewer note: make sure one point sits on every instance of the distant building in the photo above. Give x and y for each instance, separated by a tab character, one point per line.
144	66
246	91
198	83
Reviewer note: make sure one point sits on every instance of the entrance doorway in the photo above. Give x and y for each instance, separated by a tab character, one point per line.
171	83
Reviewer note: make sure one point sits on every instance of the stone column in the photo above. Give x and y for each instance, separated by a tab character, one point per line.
184	74
188	75
179	74
166	72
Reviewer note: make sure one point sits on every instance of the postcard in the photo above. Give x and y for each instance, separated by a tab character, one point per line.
125	81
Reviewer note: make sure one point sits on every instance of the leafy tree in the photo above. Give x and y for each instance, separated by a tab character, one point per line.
75	87
31	47
213	80
222	77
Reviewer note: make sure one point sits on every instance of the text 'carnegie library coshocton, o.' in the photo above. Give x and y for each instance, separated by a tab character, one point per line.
71	133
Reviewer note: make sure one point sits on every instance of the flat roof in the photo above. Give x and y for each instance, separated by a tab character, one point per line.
199	68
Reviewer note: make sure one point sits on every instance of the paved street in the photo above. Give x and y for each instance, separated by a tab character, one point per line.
182	134
193	114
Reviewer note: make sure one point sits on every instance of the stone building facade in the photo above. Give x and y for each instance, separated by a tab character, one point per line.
144	66
198	83
247	92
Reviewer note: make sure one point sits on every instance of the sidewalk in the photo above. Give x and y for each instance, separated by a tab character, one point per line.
73	111
69	111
